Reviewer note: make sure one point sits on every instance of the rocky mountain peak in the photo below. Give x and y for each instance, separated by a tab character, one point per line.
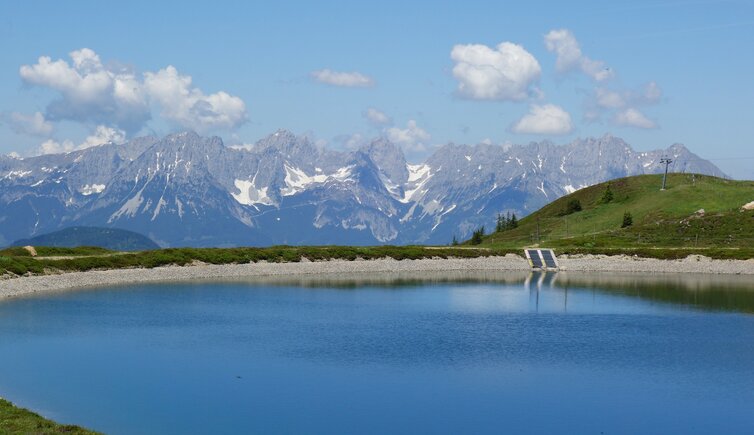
389	158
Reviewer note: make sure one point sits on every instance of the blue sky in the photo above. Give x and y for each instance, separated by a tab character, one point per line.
421	73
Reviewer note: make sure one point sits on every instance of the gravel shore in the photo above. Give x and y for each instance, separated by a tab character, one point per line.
587	263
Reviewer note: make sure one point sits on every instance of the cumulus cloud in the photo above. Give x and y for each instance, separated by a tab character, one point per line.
651	93
569	56
412	138
504	145
101	135
608	99
376	117
242	146
544	119
633	118
92	92
354	141
34	124
344	79
506	72
621	106
189	106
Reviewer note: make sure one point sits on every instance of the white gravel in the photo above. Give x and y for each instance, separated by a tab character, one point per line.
102	278
623	263
77	280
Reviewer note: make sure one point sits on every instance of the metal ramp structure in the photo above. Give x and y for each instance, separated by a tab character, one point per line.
541	259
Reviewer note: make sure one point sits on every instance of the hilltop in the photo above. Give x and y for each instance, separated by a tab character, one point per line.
108	238
695	212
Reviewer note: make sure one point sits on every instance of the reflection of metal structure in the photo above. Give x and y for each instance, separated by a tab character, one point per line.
540	280
541	259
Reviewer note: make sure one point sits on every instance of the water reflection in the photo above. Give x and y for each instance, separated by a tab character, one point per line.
706	291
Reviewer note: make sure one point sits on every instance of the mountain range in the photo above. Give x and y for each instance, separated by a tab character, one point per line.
188	190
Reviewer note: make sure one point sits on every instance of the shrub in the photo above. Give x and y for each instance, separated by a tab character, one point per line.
573	206
628	220
608	195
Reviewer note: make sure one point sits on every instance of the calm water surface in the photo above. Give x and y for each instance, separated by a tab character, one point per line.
449	353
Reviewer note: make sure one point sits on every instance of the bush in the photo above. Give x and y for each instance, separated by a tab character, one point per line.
628	220
573	206
608	195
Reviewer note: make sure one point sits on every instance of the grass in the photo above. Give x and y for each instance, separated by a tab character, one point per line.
14	420
81	259
665	223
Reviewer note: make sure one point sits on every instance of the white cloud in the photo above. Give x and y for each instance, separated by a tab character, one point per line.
412	138
504	145
544	119
189	106
569	56
621	107
344	79
608	99
377	117
242	146
101	135
34	124
652	93
354	141
91	92
633	118
503	73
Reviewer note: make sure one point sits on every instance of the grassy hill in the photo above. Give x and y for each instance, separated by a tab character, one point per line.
670	219
109	238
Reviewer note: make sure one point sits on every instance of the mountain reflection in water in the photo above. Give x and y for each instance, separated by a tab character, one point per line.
704	291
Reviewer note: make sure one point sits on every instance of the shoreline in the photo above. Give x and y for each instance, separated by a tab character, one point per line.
30	285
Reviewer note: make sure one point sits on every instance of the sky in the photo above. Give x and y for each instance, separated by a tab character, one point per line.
422	74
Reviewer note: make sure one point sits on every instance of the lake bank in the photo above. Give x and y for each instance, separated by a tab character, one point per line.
22	421
577	263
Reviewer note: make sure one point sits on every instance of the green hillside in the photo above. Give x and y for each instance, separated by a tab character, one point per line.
109	238
14	420
660	219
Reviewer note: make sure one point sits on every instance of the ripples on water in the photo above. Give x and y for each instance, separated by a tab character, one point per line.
451	352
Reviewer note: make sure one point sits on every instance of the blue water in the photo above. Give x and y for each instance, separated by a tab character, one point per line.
478	356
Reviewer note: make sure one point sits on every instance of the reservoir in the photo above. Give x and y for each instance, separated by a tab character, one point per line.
413	353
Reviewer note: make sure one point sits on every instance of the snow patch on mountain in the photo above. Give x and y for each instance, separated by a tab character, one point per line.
393	188
89	189
250	195
418	175
296	180
129	208
158	208
17	174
